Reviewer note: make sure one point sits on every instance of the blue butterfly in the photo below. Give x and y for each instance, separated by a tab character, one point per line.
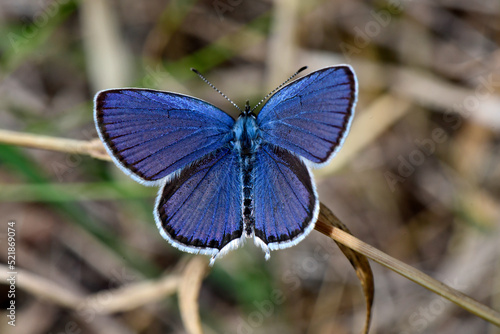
222	180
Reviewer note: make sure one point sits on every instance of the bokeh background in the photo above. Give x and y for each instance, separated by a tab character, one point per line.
418	177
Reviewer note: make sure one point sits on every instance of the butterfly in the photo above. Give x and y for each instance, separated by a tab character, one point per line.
224	180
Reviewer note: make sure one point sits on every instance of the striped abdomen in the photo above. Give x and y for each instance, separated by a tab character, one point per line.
248	203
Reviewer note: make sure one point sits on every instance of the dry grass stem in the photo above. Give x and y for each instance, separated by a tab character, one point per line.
94	147
132	296
189	290
111	66
42	288
283	42
325	226
360	264
109	301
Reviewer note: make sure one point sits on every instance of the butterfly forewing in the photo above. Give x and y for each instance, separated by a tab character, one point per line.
312	115
151	134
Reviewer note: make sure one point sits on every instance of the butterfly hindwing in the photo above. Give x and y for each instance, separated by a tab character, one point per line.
151	134
199	210
312	115
286	203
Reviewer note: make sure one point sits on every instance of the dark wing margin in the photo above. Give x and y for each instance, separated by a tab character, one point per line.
312	115
199	210
151	134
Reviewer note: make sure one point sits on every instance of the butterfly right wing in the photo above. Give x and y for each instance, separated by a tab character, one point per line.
151	134
312	115
199	210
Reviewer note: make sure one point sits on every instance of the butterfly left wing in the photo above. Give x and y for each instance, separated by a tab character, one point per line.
286	204
152	134
311	116
200	209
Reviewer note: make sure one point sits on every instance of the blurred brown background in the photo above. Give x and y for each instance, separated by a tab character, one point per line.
418	176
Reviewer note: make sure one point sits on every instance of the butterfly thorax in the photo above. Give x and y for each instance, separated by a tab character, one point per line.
246	134
246	141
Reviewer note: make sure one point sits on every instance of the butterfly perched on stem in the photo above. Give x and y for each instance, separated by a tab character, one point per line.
224	180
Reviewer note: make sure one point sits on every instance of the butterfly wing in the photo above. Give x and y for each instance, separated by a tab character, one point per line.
151	134
200	209
286	203
304	122
312	115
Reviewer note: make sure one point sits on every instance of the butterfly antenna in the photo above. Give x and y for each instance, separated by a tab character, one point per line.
278	88
218	91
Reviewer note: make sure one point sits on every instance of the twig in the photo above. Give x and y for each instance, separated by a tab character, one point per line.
324	226
94	147
132	296
109	301
359	262
42	287
189	290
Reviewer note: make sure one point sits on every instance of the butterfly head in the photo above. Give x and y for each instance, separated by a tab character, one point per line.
248	111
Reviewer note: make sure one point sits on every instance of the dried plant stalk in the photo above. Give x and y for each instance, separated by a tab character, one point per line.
94	147
359	262
326	225
188	292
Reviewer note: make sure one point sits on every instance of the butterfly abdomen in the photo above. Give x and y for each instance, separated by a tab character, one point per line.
247	173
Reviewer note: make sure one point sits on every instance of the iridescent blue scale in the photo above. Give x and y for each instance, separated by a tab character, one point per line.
223	181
